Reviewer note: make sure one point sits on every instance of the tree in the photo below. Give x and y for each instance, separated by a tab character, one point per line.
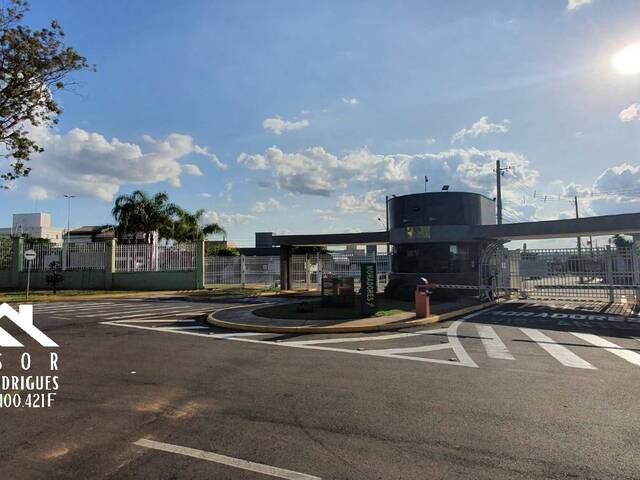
189	227
138	213
620	241
54	277
33	66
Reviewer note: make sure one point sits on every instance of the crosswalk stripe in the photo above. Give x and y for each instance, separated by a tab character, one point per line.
65	308
492	344
560	353
628	355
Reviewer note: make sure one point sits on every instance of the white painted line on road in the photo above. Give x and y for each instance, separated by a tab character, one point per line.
560	353
151	314
628	355
366	339
165	320
122	311
224	460
223	336
399	351
191	327
492	344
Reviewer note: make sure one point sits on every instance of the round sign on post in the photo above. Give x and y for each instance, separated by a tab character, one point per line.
30	255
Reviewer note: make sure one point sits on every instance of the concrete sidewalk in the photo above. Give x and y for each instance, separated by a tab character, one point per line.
243	318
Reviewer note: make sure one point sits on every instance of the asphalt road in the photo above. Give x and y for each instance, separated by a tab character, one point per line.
520	391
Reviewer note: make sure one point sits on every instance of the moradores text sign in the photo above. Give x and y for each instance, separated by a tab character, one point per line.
368	288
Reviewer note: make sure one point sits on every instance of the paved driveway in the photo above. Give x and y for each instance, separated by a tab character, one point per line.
147	390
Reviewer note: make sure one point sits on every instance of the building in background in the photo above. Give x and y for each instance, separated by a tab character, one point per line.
36	225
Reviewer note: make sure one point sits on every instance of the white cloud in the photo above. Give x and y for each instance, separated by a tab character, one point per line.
430	141
267	206
88	164
630	113
325	215
481	127
315	171
574	4
191	169
38	193
211	216
279	125
350	101
205	195
204	151
370	202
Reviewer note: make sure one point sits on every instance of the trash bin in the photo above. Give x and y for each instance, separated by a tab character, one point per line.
423	309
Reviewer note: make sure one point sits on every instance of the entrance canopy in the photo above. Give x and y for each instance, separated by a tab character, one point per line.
361	238
572	227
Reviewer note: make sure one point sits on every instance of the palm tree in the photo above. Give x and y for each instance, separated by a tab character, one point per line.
188	227
138	213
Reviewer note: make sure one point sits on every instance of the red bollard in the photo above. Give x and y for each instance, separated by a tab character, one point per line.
423	309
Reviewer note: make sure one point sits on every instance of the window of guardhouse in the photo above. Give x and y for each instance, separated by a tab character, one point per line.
459	258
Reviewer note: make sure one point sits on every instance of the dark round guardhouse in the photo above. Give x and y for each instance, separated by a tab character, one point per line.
432	236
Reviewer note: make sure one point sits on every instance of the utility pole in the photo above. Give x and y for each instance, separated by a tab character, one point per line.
580	265
575	201
499	173
386	202
426	179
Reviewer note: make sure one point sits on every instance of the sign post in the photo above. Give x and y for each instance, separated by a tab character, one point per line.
368	288
29	256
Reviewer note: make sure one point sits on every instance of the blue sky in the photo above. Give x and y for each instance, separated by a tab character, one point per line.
300	116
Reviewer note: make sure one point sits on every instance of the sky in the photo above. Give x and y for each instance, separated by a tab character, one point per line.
299	117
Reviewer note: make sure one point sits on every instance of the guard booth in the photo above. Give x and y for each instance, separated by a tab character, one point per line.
452	239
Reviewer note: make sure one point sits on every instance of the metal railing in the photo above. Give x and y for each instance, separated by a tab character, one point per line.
81	256
243	270
5	255
155	258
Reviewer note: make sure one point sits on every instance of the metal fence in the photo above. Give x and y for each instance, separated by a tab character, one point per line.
81	256
243	270
605	273
46	255
155	258
5	255
306	271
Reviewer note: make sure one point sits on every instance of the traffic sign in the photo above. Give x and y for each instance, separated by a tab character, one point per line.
30	255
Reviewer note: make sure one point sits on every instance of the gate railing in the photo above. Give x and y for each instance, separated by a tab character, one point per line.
604	273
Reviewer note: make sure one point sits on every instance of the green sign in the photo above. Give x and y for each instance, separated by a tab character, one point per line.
368	288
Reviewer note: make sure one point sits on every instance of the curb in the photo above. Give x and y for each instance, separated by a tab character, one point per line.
211	319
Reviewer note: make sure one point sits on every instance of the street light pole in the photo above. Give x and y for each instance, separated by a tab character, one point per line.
68	197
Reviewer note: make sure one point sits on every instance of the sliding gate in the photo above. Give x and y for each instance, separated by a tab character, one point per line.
601	274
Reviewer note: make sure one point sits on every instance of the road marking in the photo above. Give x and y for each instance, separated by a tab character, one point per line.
628	355
152	313
366	339
560	353
224	460
222	336
492	344
158	320
191	327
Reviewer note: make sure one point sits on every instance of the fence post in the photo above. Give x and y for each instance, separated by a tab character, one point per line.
242	270
200	259
109	263
65	255
609	270
17	260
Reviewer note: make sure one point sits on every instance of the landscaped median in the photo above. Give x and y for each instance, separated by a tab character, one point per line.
310	316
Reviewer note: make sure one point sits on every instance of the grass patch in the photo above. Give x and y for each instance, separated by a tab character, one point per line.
289	311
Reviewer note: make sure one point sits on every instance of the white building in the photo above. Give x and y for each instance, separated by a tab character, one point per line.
36	225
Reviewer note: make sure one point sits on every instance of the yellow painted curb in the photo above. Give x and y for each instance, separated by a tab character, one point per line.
211	319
